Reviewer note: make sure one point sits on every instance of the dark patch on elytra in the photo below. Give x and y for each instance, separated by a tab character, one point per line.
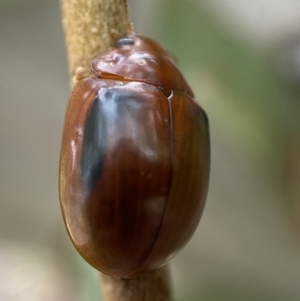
110	106
93	145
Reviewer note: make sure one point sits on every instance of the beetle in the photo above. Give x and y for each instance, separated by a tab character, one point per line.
135	160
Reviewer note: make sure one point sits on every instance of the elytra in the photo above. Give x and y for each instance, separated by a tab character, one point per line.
135	160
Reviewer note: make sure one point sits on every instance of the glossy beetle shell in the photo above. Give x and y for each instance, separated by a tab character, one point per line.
134	164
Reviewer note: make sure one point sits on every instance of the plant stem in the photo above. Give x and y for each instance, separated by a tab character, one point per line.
152	286
92	26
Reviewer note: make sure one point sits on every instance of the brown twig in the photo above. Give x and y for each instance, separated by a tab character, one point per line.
92	26
153	286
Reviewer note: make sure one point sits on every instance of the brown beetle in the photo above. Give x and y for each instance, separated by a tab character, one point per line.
135	159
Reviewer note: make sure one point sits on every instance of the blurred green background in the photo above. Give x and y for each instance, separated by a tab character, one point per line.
242	59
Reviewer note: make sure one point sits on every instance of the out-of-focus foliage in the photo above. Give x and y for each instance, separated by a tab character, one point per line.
253	102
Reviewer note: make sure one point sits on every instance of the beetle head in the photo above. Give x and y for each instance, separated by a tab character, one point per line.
139	58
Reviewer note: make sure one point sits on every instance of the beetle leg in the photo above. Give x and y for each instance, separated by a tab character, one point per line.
80	73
